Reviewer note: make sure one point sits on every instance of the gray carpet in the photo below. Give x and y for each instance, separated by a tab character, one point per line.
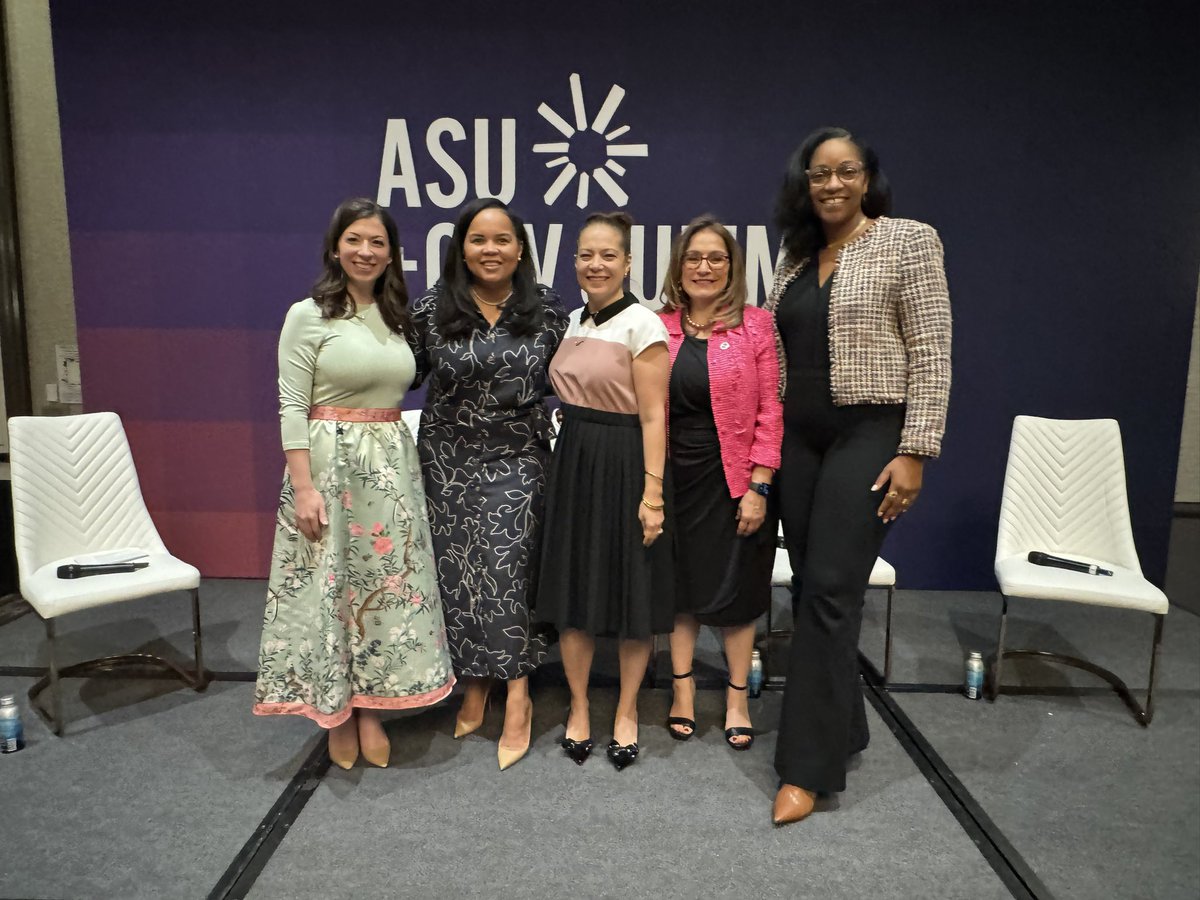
151	793
155	788
1097	806
688	819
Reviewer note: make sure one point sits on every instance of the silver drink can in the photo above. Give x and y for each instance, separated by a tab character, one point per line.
755	681
974	682
12	735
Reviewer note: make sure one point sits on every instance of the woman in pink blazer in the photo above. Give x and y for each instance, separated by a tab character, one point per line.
724	427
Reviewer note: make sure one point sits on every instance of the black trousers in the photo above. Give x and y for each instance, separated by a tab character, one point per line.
831	456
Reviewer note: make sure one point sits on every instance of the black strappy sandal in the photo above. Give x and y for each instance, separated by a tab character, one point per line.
680	720
739	731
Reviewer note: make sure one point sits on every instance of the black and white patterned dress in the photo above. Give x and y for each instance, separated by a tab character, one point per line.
484	445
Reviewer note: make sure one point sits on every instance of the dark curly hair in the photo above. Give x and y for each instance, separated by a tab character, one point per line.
794	213
456	312
391	295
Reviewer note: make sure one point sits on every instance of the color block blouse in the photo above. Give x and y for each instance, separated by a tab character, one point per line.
594	364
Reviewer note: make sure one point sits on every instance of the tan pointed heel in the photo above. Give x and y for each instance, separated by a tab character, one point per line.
343	751
792	804
378	750
507	756
463	727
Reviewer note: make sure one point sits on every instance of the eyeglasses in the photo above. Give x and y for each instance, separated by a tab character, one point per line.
846	172
715	260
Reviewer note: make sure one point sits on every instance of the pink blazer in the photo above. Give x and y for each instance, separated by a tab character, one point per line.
743	379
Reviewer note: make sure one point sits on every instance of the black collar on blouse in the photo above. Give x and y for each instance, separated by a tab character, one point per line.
613	309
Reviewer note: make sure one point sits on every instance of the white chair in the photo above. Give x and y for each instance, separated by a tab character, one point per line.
1064	494
883	575
76	499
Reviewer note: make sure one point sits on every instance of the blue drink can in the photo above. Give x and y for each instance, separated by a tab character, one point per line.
12	735
974	685
755	681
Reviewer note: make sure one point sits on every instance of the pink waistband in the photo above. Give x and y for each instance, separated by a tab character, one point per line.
345	414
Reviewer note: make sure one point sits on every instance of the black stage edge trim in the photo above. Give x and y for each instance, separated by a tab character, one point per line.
40	672
1187	510
13	607
921	687
239	878
1004	859
22	671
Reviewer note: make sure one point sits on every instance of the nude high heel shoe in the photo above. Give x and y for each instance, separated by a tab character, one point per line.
463	726
373	741
506	756
342	741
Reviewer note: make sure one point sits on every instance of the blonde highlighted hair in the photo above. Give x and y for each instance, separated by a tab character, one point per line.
732	300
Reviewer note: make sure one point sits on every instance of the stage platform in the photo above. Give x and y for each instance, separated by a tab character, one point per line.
160	792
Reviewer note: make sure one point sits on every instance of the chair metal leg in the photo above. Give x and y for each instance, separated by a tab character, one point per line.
53	718
145	664
1156	646
887	637
993	689
650	676
1143	715
201	676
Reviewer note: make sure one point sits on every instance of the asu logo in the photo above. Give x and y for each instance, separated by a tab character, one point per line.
600	174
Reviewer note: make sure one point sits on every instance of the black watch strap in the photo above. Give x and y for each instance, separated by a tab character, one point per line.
760	487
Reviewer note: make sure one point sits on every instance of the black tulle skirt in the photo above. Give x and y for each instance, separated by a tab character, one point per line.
595	574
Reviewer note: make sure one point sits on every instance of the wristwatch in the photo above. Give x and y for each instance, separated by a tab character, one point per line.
760	487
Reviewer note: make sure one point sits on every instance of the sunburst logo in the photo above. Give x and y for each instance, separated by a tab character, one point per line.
582	135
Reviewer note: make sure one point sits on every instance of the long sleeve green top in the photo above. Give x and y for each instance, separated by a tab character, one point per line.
357	363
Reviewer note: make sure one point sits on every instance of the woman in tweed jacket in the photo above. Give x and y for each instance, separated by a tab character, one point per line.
863	318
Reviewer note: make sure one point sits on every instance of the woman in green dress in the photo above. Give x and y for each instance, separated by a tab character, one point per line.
353	623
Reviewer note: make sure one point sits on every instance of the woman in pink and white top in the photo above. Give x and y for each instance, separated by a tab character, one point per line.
606	566
726	427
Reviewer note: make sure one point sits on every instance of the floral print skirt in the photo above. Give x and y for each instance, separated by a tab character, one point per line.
354	619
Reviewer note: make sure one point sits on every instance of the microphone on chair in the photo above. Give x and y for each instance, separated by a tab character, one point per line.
1038	558
78	570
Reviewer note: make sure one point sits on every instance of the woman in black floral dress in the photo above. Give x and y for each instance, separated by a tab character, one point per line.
485	335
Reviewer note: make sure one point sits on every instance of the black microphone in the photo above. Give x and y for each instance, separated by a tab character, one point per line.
78	570
1038	558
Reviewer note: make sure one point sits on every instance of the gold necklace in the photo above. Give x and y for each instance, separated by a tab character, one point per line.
499	305
838	245
696	325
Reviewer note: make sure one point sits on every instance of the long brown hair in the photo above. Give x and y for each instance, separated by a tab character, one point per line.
733	299
391	295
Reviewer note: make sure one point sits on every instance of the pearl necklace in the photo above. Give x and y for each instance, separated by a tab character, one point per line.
499	305
696	325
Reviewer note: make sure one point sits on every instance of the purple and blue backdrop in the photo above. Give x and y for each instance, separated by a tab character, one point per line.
1053	146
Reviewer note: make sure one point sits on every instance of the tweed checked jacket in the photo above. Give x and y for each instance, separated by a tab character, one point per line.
889	327
743	372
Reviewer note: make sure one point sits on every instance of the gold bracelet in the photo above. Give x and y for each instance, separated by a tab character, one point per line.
652	475
646	503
